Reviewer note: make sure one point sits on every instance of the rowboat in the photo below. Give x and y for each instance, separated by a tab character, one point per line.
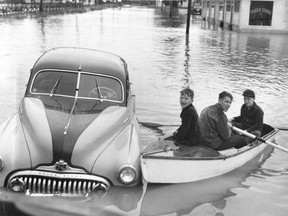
195	194
161	164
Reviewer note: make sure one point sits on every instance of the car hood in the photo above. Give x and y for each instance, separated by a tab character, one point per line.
48	140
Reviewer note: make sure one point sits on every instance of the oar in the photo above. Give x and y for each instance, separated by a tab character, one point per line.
152	124
259	138
156	125
281	128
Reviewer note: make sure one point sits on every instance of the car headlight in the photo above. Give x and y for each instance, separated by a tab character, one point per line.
127	174
100	190
17	185
1	162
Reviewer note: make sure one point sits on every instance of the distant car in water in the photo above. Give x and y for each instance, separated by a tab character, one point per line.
75	131
196	9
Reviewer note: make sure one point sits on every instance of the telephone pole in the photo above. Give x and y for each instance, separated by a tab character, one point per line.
188	16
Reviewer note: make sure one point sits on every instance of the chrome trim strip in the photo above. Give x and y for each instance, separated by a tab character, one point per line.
74	104
44	185
67	170
69	186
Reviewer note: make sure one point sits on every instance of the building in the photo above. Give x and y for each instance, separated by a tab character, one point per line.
85	2
248	15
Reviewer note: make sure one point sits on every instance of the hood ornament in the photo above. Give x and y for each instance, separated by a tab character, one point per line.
61	165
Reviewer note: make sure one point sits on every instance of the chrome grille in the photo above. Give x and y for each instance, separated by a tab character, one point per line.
42	182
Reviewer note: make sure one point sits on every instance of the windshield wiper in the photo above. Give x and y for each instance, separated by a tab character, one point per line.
98	90
55	86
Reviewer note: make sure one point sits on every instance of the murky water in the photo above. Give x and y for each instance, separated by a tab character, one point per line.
162	59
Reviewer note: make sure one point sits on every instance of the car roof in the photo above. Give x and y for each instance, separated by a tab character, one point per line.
82	59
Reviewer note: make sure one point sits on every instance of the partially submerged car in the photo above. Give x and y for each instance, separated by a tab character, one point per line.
75	132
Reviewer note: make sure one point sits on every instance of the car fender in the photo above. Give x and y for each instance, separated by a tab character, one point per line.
37	131
98	135
123	150
13	147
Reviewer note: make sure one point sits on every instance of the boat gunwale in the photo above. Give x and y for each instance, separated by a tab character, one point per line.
221	157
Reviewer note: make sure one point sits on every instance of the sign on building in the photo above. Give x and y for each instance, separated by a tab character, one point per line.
261	13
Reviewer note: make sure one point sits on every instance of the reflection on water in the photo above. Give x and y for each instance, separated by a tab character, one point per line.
162	59
151	199
117	201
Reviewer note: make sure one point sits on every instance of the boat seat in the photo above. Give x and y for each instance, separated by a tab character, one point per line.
232	151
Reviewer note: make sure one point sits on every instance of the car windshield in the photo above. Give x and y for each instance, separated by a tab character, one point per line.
91	86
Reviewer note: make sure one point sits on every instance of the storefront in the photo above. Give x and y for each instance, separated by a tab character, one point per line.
248	15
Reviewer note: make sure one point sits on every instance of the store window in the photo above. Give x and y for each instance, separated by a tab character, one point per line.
237	6
261	13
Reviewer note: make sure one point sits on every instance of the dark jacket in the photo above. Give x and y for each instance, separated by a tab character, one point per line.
213	126
252	119
188	133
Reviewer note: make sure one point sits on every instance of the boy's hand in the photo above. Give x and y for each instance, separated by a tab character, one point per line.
172	148
229	124
176	148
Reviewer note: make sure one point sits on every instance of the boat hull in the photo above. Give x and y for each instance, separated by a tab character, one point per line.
169	167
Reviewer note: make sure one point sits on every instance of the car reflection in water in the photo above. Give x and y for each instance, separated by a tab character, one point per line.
117	201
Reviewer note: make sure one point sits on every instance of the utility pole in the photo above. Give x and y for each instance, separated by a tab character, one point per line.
188	16
41	6
171	8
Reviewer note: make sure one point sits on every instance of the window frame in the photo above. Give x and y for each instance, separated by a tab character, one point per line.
78	77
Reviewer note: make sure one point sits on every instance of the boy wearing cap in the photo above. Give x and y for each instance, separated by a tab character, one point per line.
251	115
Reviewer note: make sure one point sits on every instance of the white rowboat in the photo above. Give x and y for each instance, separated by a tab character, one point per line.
160	164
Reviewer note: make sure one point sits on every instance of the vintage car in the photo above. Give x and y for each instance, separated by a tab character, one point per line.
75	132
196	9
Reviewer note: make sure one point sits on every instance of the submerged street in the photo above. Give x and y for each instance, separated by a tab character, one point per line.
162	59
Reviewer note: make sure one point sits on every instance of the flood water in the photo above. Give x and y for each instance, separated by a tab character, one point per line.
162	59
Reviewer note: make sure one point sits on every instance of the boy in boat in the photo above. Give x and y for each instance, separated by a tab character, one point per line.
215	132
251	115
189	132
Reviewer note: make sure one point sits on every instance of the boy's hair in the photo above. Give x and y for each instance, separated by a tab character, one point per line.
225	94
187	91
